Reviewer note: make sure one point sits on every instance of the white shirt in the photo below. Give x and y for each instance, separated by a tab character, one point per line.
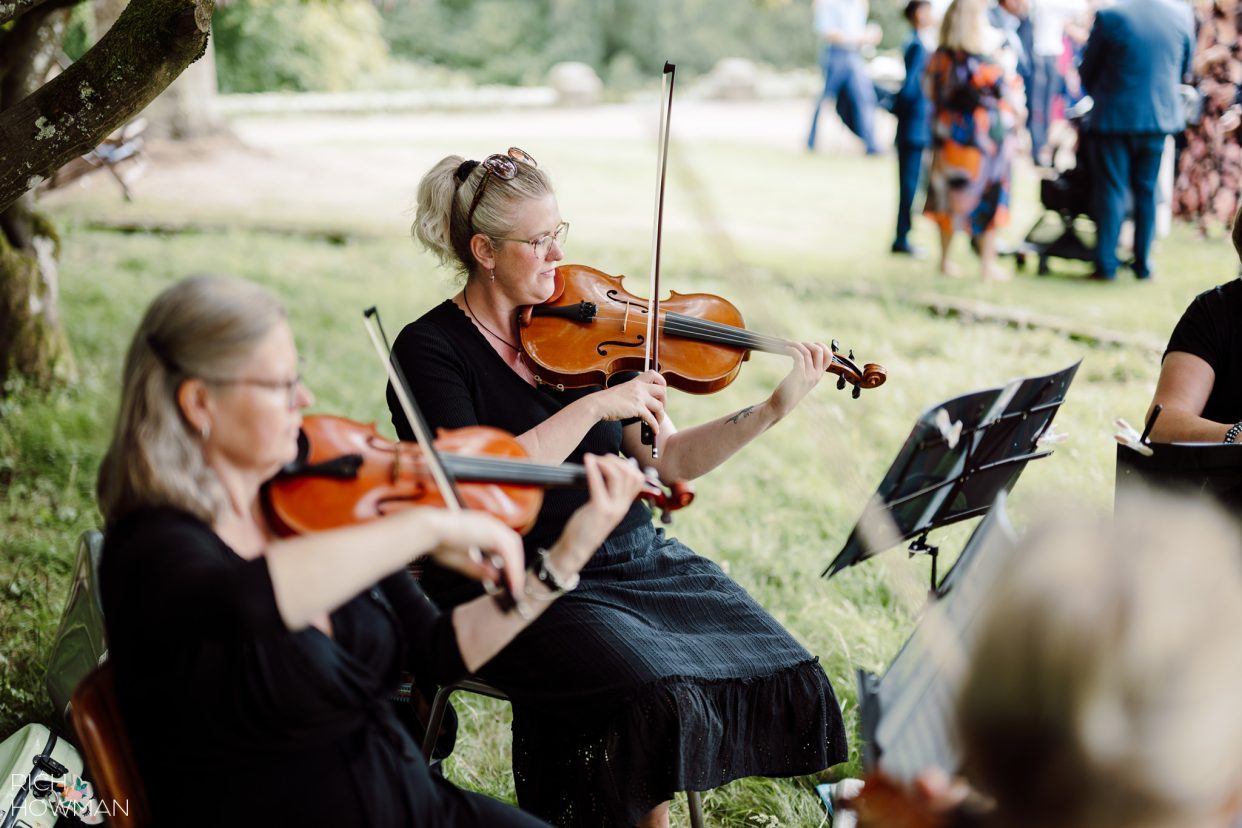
848	17
1048	19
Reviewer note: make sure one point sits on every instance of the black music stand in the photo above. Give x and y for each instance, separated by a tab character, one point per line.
960	455
1196	468
907	715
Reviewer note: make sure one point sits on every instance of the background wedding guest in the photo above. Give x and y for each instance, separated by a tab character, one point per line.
1049	19
913	111
1137	54
843	28
1209	167
975	110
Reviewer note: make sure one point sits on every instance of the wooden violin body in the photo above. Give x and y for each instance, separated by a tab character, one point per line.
347	473
592	329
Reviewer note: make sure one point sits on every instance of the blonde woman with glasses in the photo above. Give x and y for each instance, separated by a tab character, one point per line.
657	673
254	672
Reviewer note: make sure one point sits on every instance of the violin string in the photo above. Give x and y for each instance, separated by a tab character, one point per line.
718	332
513	471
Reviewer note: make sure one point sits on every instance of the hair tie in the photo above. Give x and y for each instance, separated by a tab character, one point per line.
464	169
170	365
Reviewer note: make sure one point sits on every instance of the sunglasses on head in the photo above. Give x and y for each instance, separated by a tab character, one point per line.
503	167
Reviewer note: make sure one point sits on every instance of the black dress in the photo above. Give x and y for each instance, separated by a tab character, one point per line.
1211	329
237	721
658	673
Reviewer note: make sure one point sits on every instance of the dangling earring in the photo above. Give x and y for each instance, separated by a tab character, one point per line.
492	273
205	433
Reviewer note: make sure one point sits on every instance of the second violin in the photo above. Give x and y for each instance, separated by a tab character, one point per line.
593	328
347	473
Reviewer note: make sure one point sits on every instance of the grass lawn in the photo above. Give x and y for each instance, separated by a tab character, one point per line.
784	235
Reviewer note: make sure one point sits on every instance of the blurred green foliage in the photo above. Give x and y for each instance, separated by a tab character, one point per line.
339	44
333	45
80	32
297	45
517	42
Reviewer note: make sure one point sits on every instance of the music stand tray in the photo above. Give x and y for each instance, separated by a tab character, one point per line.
907	715
959	456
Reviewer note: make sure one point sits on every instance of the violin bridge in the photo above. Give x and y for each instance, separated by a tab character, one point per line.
626	320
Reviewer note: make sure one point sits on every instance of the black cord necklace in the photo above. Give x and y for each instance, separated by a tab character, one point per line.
466	298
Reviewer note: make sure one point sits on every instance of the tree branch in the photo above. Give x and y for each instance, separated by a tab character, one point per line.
144	51
13	9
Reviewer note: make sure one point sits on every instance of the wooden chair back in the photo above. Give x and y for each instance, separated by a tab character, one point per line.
96	718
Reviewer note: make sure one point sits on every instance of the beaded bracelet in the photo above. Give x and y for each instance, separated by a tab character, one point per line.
1232	433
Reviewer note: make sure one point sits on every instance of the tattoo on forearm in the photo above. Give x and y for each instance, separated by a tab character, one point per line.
743	414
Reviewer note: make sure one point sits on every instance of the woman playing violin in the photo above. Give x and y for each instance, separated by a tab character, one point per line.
658	673
253	669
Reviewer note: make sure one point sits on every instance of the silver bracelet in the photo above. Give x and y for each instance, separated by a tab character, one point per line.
543	572
544	596
1233	432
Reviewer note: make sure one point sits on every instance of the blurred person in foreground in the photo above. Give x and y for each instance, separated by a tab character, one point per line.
1103	689
1136	56
1200	384
975	108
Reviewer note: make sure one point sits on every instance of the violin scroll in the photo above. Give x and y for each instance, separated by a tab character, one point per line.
666	499
871	375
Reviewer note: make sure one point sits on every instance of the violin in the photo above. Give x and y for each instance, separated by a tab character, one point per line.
347	473
592	328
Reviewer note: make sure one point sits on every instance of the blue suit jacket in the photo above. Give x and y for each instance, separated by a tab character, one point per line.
1137	54
910	105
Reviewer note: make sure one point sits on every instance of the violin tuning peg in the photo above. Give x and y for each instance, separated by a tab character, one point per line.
841	383
851	353
857	392
836	345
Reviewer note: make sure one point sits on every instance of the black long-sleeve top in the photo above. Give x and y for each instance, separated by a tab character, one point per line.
235	719
458	380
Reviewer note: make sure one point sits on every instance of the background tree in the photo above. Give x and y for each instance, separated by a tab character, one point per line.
46	123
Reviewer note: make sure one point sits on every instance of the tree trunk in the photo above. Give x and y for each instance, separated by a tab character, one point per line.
32	338
43	125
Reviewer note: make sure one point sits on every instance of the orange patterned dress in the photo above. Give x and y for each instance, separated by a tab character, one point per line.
973	128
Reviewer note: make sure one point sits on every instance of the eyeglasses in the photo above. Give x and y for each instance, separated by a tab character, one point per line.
290	387
542	244
503	167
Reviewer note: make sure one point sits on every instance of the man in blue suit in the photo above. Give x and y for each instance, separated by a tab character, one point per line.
913	111
1138	53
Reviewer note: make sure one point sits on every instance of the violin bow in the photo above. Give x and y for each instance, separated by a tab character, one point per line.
443	478
651	353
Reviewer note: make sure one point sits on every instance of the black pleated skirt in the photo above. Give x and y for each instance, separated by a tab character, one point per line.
657	674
